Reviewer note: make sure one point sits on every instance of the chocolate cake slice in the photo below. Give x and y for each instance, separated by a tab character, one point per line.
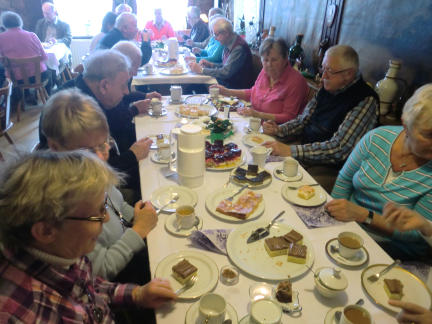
297	253
393	288
293	237
276	246
284	292
183	271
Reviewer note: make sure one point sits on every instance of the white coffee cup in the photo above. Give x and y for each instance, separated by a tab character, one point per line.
212	308
156	106
176	93
290	167
254	124
185	217
148	68
355	314
259	155
349	244
164	151
265	311
214	93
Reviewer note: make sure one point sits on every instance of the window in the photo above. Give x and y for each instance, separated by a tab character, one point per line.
85	16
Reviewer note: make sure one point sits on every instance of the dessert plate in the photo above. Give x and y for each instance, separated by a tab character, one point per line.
156	159
361	258
265	183
230	166
253	258
278	173
414	290
163	195
254	139
207	111
207	275
288	307
217	196
171	226
330	316
291	196
164	112
193	311
170	71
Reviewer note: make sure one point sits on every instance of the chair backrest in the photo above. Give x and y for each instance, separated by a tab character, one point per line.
28	68
256	65
5	95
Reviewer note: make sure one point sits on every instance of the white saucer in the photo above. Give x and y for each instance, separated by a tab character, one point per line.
155	158
360	259
192	313
330	317
163	113
171	226
283	177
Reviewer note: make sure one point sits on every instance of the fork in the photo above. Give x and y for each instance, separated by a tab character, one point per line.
376	276
187	285
301	185
173	200
230	198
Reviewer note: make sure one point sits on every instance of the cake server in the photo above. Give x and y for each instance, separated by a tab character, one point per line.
262	232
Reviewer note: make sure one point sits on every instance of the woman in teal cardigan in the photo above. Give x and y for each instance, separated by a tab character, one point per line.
212	52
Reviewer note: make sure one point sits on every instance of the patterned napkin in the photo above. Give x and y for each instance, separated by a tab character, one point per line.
212	240
315	216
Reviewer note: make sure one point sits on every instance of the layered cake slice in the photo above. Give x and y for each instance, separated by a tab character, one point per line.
293	237
284	292
297	253
244	206
306	192
183	271
276	246
393	288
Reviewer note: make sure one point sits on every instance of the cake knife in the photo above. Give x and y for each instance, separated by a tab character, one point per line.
262	232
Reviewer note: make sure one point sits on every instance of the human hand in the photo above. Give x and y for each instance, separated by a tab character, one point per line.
189	42
278	148
195	67
153	94
206	63
412	313
270	127
153	294
245	111
346	211
145	218
222	90
142	105
196	50
404	219
79	68
141	148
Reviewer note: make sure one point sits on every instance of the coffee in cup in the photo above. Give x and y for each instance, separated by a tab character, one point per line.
164	151
254	124
185	217
290	167
355	314
349	244
212	308
265	311
176	93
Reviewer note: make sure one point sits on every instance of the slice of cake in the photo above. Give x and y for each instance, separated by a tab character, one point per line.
245	205
393	288
183	271
276	246
284	292
293	237
297	253
306	192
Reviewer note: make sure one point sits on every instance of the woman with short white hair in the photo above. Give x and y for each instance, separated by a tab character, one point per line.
391	163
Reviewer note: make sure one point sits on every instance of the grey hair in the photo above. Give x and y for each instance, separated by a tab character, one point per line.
47	187
123	19
105	64
122	7
71	113
346	54
223	24
194	11
129	49
11	19
280	45
418	108
215	11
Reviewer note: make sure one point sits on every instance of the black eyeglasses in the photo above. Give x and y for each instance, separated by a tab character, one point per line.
102	211
329	71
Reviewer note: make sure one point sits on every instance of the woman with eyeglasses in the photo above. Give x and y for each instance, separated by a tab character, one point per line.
52	208
73	120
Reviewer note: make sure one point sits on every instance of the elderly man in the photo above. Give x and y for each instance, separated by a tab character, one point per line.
199	31
159	28
332	122
50	29
235	71
125	28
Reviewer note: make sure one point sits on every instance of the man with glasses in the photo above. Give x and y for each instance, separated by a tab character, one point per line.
343	110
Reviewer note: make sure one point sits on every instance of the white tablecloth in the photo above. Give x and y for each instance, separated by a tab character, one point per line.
56	53
162	244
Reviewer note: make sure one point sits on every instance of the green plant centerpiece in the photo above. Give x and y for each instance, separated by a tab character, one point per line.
219	129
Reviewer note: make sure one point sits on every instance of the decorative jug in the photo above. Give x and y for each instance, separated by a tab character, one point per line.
387	88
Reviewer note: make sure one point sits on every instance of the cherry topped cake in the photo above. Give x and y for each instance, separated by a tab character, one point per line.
219	155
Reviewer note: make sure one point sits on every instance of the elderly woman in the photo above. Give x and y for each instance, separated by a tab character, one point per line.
52	207
72	120
280	92
391	163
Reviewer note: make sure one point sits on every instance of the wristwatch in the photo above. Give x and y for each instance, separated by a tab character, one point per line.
369	218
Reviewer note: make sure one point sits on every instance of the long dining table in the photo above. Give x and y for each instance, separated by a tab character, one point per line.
162	244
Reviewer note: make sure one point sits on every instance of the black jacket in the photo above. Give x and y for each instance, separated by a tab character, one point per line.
63	31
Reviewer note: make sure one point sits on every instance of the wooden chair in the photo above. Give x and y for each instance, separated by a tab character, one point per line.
5	123
27	81
256	65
